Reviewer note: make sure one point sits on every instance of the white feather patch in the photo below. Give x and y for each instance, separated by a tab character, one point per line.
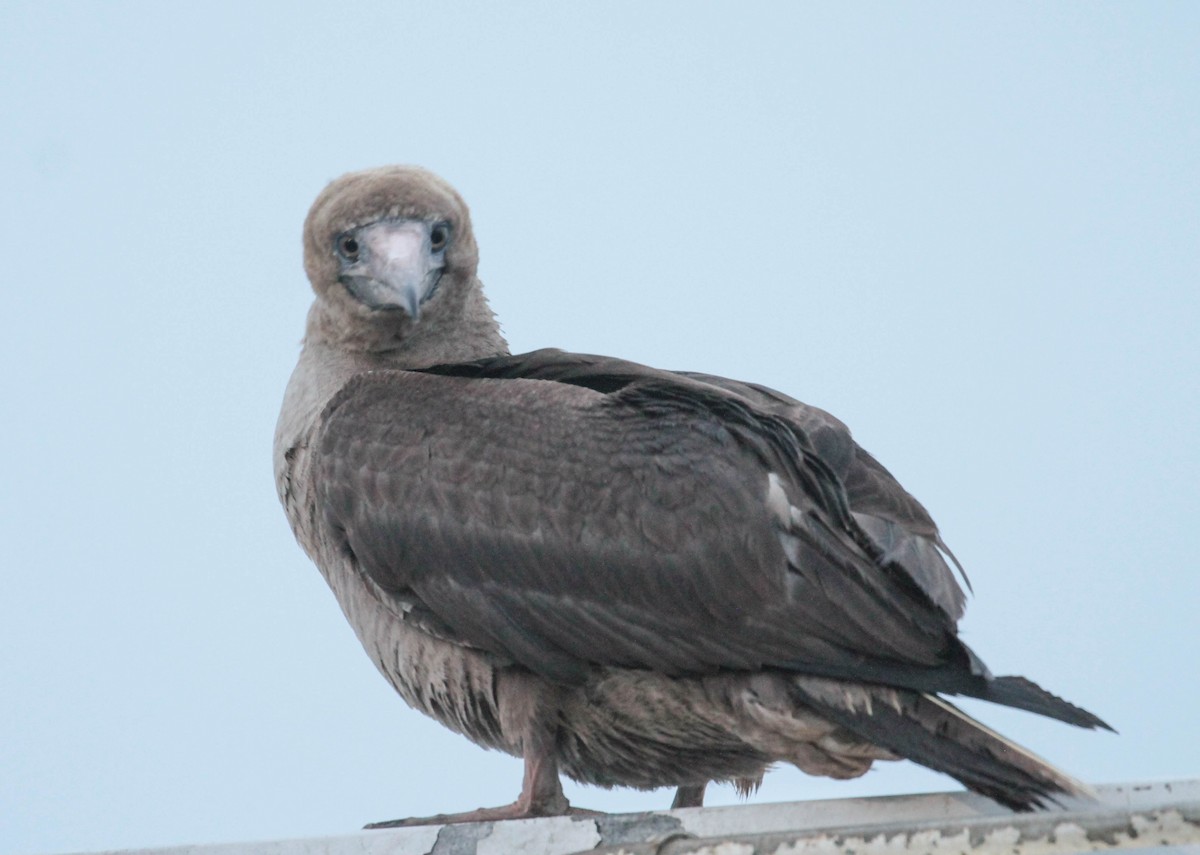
777	500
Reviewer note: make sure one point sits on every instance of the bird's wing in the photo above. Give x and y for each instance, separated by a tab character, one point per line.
895	520
569	511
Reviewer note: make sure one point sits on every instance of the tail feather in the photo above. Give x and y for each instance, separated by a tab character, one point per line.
1027	695
936	734
968	677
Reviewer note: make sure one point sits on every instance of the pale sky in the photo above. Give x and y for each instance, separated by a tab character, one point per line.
969	231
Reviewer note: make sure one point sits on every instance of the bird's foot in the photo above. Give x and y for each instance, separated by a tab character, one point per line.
541	790
516	810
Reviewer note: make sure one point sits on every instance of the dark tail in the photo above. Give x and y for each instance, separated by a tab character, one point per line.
933	732
967	676
1027	695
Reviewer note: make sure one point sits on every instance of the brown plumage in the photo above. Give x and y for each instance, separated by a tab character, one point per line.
631	576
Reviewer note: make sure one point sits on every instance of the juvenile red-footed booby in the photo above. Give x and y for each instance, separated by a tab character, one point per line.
630	576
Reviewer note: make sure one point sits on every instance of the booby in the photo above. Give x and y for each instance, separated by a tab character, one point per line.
630	576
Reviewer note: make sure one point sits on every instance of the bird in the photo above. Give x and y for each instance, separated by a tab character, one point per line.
630	576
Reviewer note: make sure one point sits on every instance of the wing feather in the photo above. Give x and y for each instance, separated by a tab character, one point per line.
621	521
890	513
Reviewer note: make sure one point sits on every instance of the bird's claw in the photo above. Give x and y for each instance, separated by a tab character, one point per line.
516	810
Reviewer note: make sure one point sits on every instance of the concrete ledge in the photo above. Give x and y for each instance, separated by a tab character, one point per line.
1127	816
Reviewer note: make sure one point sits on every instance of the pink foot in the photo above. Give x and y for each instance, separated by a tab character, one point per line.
513	811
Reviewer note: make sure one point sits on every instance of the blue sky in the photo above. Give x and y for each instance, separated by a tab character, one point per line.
969	231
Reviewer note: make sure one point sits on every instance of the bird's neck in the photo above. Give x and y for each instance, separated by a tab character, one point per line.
461	329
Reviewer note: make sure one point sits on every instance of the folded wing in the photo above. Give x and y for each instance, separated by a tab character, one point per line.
566	511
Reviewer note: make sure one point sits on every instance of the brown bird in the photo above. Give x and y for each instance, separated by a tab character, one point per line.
630	576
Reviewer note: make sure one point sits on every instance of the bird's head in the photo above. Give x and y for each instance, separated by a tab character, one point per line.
386	248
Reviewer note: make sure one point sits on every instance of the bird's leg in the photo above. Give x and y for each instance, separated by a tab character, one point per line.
689	795
541	790
541	795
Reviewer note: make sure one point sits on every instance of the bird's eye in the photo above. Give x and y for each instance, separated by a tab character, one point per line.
439	236
347	247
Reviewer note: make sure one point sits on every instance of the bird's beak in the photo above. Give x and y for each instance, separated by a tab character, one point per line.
396	267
